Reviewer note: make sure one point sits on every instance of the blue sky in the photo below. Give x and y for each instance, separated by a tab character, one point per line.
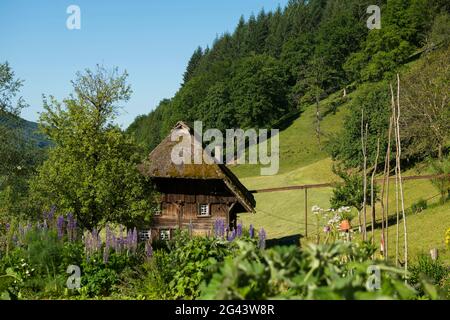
152	40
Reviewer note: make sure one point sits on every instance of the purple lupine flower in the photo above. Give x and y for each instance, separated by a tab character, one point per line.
114	242
217	228
262	239
21	231
49	216
119	242
232	236
120	232
251	231
60	226
128	242
51	213
148	249
130	239
105	255
71	226
135	239
96	242
15	239
74	230
7	227
85	242
239	230
107	245
108	236
220	228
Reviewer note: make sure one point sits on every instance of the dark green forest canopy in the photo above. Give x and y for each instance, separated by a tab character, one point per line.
275	62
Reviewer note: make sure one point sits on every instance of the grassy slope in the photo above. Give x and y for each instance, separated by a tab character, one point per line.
302	162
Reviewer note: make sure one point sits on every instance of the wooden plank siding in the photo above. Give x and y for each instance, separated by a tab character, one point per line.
181	211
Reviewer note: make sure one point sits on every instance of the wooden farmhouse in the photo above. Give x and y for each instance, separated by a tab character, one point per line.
193	196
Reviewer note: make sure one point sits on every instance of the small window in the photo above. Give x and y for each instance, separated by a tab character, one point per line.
203	210
164	234
144	235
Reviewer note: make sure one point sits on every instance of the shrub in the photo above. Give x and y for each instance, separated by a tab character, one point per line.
419	206
433	270
99	278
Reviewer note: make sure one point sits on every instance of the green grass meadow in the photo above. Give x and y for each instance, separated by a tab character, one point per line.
302	161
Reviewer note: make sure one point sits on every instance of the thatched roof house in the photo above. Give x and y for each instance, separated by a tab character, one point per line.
193	195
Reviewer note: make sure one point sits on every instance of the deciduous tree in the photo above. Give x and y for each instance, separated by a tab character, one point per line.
91	171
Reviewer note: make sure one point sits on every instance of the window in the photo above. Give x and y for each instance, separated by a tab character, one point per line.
164	234
144	235
203	210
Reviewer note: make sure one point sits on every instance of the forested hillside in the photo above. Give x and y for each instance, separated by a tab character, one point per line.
29	129
276	63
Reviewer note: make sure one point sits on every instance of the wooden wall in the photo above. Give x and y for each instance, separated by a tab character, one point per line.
179	205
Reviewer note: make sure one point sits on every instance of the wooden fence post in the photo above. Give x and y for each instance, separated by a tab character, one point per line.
434	254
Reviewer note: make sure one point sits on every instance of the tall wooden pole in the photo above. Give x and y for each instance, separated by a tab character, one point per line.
397	210
364	145
372	192
306	212
400	179
385	209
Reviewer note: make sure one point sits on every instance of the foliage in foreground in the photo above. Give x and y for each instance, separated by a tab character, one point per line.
432	270
177	272
225	266
334	271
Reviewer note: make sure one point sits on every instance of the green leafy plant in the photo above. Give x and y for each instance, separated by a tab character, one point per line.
44	250
333	271
177	272
433	270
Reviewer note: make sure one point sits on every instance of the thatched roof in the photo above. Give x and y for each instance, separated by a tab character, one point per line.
159	164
